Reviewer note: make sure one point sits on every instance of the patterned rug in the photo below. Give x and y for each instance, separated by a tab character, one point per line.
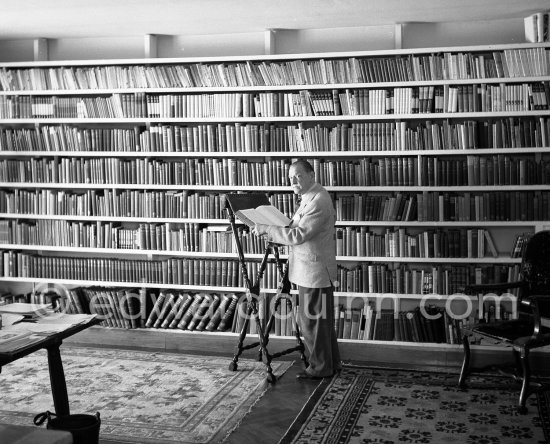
379	406
142	397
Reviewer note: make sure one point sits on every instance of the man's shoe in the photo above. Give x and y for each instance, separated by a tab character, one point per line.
306	375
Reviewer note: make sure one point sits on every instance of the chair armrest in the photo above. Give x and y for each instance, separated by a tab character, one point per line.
492	288
533	299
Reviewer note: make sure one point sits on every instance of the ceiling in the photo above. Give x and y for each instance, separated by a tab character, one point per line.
55	19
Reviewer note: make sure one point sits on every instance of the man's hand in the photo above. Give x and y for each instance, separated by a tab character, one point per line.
259	229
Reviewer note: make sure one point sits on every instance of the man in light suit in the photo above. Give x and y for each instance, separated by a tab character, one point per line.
312	267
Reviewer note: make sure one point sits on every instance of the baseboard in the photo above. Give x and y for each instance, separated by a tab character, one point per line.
384	353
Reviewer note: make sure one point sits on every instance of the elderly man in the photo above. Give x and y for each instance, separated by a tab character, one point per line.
312	267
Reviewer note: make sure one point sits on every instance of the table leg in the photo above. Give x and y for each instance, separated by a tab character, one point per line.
58	383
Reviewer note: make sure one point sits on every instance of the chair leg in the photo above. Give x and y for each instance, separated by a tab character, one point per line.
465	370
526	384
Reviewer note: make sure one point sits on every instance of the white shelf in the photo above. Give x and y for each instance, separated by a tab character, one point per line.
266	189
431	298
258	256
115	219
431	260
283	154
271	88
299	119
352	223
87	283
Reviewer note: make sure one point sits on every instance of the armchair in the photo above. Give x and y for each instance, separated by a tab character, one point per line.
531	328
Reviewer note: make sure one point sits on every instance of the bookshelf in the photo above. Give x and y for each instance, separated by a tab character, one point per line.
112	172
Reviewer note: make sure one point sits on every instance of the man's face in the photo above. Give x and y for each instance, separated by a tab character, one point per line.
300	180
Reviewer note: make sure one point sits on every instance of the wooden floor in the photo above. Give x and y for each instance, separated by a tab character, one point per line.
276	410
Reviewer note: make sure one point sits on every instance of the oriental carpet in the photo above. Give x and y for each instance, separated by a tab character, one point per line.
382	406
142	397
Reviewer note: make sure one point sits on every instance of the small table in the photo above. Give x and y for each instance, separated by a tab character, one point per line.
51	342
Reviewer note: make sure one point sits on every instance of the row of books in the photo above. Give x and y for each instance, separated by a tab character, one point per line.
438	99
175	271
356	102
367	324
437	206
433	171
374	136
494	98
520	62
431	324
132	308
207	312
385	171
117	203
398	206
164	237
395	278
108	170
232	138
455	243
350	241
498	170
227	312
226	273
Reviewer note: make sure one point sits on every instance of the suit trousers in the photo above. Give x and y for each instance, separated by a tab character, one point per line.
316	321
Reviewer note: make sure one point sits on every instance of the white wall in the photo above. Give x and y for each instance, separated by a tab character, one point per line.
284	41
423	35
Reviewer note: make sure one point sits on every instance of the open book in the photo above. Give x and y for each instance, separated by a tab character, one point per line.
264	214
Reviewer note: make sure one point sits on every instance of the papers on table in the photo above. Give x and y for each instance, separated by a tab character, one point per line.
10	319
38	327
66	319
53	323
21	334
27	310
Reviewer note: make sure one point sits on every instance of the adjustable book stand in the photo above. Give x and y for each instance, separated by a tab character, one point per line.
234	203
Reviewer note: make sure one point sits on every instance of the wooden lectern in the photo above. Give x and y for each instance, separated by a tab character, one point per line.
234	203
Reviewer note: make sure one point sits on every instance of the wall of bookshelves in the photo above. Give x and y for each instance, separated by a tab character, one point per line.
112	175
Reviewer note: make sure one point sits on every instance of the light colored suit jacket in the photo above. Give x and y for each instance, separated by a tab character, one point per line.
312	237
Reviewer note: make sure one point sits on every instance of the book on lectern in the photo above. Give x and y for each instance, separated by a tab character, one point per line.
264	214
